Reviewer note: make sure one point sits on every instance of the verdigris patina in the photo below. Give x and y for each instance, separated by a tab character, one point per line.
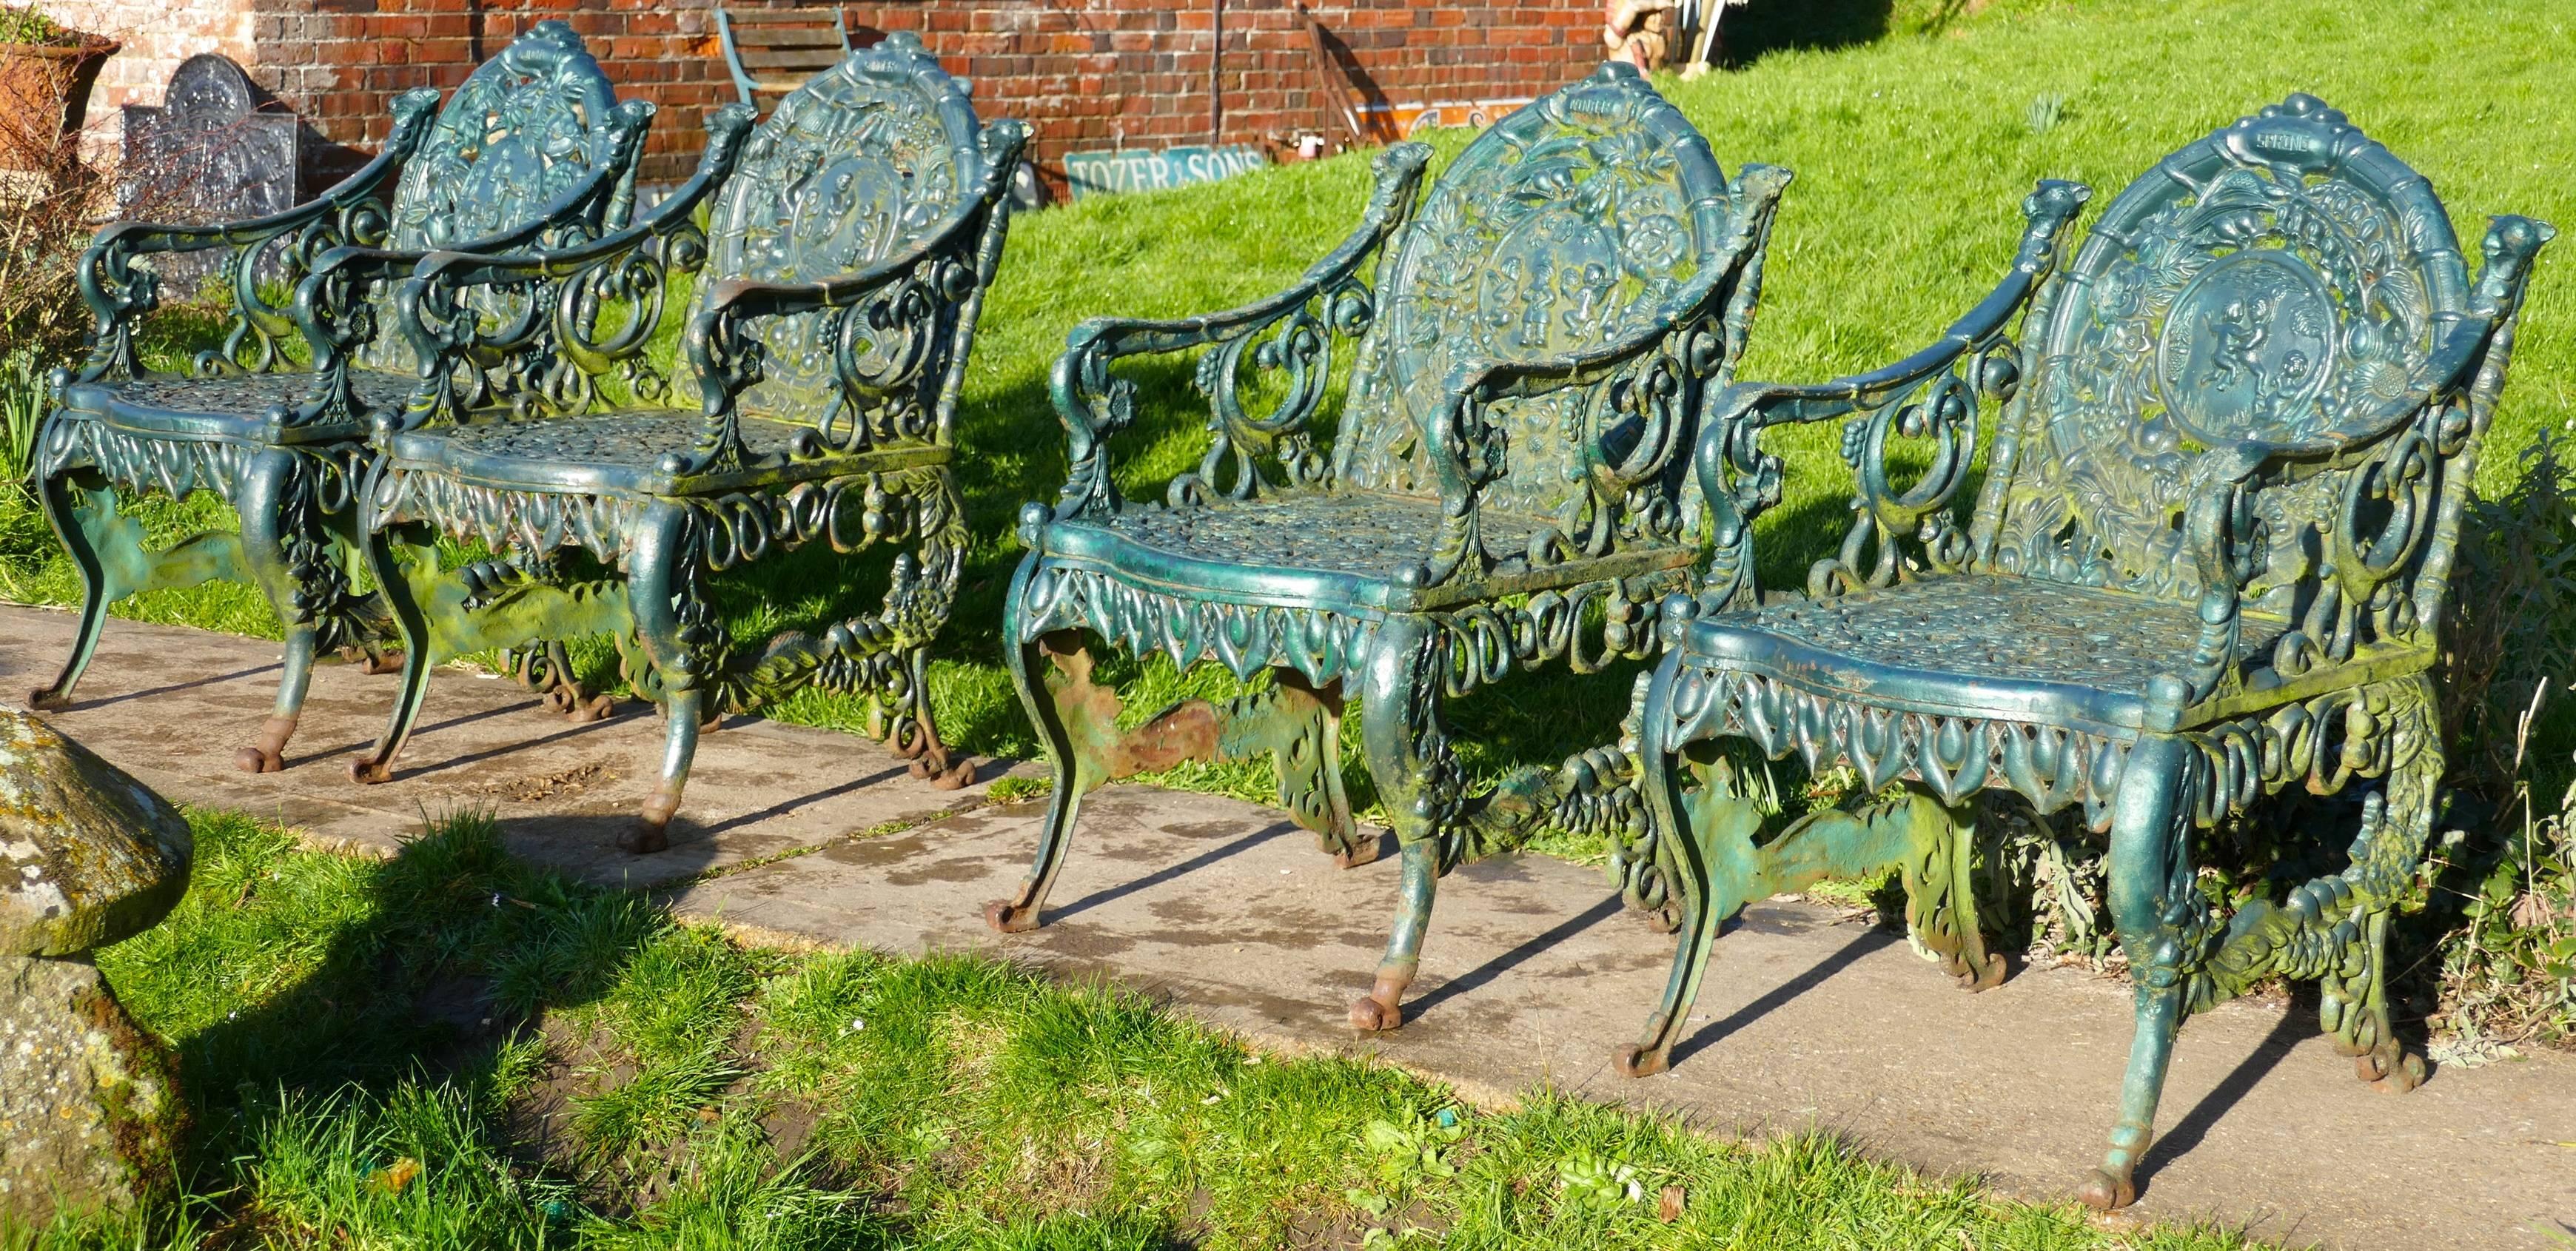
1507	485
2208	562
848	245
90	1111
533	148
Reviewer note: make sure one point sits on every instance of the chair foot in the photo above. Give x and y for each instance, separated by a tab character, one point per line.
369	773
268	754
645	836
2390	1068
1370	1016
2103	1192
372	663
1010	916
1635	1061
258	760
1987	978
46	699
946	777
1363	850
583	712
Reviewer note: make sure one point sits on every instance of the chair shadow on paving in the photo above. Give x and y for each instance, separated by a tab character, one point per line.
1103	898
2298	1023
82	705
1843	957
784	806
1478	976
626	711
409	763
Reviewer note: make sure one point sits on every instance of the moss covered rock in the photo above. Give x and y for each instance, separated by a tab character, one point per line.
88	855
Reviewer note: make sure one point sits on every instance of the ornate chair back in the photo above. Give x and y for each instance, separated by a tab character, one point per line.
871	160
527	127
2282	286
1568	225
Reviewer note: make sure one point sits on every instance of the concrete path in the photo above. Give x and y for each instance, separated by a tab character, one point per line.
1532	973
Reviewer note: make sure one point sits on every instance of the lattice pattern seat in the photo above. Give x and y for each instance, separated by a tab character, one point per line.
1351	538
236	407
2008	647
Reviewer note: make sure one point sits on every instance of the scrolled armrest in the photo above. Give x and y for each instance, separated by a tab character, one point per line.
449	338
1933	393
890	323
119	295
1094	404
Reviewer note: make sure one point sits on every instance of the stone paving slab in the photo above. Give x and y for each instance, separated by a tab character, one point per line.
1531	974
171	705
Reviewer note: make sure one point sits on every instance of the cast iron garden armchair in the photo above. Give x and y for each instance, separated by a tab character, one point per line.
851	237
532	147
2208	562
1506	487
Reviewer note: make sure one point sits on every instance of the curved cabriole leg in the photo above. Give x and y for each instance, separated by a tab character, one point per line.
1074	720
402	600
274	496
663	596
2152	900
1408	759
81	516
1708	836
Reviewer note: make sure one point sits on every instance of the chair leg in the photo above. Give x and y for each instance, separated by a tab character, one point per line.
1708	838
1939	871
80	516
2353	1006
1074	719
2153	900
275	497
1418	777
402	599
665	596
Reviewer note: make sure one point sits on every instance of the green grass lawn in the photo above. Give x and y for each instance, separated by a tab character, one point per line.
449	1049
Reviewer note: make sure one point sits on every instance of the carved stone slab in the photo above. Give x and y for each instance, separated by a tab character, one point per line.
206	154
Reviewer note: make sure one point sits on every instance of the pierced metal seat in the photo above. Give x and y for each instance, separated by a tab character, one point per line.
231	408
847	246
1973	645
2209	562
1504	488
533	147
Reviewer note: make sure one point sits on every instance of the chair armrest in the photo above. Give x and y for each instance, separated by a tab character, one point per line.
1094	404
2407	464
1655	376
1932	394
119	295
449	338
898	329
332	306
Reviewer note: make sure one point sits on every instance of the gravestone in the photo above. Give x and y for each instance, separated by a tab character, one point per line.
205	154
90	1113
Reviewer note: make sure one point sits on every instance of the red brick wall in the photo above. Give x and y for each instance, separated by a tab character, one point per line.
1086	74
1093	74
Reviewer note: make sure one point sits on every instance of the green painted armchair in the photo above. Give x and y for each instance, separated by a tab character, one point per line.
532	148
849	242
1507	487
2209	559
